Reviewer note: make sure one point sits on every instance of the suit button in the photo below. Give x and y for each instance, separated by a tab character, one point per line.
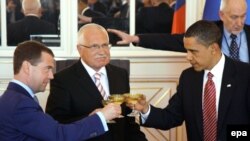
93	134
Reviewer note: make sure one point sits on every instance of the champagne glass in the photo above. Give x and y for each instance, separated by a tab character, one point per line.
133	99
104	103
117	99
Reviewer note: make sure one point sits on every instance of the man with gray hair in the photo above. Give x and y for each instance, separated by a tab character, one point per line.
31	24
80	88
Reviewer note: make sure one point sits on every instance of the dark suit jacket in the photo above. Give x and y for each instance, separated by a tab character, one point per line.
100	7
74	95
91	13
175	42
154	19
21	30
186	104
23	119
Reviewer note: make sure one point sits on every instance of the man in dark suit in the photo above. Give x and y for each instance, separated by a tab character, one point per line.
232	14
157	18
98	6
13	11
229	87
84	10
31	24
74	94
21	116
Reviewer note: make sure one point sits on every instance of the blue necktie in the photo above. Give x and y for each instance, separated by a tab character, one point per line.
36	99
234	49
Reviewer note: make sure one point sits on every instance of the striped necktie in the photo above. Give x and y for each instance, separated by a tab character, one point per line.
209	110
98	84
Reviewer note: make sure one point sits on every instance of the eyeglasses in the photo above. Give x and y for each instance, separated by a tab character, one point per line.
96	47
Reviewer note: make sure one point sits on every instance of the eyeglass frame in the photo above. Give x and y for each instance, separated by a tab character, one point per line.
96	46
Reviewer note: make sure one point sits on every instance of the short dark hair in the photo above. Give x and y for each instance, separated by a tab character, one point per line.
205	32
30	51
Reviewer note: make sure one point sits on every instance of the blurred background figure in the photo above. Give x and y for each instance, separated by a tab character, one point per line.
154	17
123	10
172	4
112	6
85	11
13	11
51	11
96	5
31	24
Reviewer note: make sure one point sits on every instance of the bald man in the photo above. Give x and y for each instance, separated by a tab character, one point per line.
31	24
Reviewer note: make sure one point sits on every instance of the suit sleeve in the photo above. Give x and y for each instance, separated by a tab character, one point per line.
170	116
29	118
162	42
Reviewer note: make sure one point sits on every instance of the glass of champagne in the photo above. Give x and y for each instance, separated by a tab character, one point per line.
117	99
133	99
104	103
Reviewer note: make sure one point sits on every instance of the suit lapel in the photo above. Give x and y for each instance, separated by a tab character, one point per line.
197	91
227	90
247	31
110	79
86	82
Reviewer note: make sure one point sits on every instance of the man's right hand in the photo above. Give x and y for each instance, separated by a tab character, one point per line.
111	111
126	38
141	105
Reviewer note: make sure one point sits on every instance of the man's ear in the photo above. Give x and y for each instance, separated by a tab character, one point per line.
221	15
26	67
79	48
215	48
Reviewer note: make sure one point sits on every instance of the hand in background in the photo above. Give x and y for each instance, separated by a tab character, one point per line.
111	111
84	19
126	38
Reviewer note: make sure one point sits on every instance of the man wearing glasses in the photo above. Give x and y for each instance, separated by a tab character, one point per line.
78	90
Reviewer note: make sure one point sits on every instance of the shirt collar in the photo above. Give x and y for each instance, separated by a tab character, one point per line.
34	15
28	89
217	70
92	72
85	9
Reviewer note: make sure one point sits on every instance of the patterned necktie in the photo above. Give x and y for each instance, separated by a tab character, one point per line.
36	99
209	110
99	85
234	49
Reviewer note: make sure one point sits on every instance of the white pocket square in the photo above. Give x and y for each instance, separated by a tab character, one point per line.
228	85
